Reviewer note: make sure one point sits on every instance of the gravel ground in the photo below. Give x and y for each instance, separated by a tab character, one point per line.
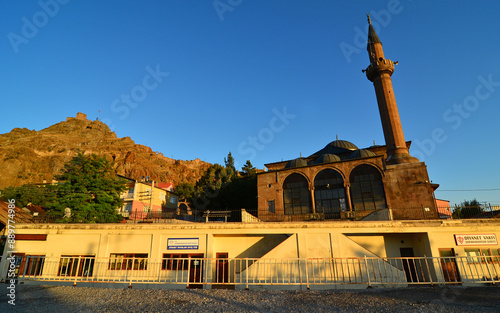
30	298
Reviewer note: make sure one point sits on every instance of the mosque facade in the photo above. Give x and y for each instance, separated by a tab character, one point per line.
342	181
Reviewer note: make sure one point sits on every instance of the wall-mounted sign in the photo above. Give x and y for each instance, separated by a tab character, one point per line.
476	239
183	244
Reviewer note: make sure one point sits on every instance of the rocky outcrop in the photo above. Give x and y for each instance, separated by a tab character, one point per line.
29	156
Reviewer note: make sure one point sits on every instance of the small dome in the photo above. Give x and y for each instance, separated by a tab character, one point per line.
337	147
298	162
361	153
344	144
327	158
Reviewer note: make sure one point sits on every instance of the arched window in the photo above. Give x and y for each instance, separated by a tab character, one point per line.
296	197
329	193
367	189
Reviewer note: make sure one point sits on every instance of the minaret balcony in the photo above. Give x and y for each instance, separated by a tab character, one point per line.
381	66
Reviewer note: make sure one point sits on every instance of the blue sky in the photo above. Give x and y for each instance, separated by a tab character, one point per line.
266	80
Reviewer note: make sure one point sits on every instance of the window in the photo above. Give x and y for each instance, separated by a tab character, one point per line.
128	207
175	262
367	189
296	197
128	193
76	265
29	265
496	255
477	255
173	199
270	206
138	261
329	193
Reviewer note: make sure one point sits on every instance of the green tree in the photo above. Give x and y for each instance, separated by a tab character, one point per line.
467	209
185	191
248	169
42	196
240	193
90	189
229	162
207	188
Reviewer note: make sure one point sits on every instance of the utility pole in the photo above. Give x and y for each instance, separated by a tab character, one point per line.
143	197
151	197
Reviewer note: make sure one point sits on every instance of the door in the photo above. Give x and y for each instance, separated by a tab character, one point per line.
196	271
409	264
222	268
449	266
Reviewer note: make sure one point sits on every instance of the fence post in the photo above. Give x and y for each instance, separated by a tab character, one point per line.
26	265
129	277
160	264
367	272
489	271
77	269
246	271
307	275
188	272
429	270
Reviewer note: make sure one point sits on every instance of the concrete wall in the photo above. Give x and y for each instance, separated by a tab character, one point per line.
254	240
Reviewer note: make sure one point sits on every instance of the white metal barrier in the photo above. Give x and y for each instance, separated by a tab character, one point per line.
246	272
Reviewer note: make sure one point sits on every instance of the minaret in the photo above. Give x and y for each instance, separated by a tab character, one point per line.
379	72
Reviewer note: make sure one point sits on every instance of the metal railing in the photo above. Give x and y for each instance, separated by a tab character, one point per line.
246	272
239	215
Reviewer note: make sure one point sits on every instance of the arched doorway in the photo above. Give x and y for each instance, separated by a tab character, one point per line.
367	189
296	196
329	194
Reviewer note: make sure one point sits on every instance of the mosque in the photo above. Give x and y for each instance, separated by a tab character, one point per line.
342	181
380	228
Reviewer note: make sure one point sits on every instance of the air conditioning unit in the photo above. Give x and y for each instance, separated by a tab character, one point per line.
314	216
350	215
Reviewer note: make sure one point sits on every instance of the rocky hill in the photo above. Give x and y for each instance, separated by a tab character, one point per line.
29	156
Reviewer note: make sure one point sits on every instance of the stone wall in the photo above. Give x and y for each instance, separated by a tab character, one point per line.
407	189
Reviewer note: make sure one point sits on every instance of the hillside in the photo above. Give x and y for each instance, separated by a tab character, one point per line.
29	156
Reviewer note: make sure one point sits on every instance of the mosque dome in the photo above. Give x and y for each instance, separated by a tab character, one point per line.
361	153
337	147
327	158
343	144
298	162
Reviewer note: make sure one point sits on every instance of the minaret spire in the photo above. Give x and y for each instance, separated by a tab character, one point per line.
379	72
